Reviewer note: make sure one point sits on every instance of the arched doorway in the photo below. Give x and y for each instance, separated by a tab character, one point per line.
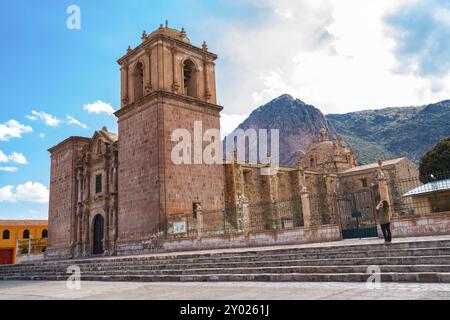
98	234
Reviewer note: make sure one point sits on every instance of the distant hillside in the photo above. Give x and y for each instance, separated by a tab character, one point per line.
403	131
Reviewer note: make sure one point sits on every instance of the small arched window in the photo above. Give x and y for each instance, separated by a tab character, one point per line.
190	79
138	81
312	163
5	234
44	234
26	234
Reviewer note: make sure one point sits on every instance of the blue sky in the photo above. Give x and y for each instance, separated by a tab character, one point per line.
338	55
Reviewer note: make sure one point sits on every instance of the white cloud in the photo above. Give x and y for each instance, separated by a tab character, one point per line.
9	169
73	121
41	135
229	122
337	55
18	158
32	118
13	129
99	107
27	192
49	120
14	157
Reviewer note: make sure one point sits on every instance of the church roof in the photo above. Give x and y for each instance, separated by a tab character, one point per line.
112	137
372	165
16	223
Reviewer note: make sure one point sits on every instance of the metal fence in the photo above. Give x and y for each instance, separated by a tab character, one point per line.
419	196
264	216
31	246
352	210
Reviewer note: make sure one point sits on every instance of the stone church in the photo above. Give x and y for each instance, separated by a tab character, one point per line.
114	193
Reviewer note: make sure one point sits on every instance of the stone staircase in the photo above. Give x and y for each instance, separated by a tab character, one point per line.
408	261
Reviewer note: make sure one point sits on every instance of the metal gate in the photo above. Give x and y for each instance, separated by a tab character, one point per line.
357	213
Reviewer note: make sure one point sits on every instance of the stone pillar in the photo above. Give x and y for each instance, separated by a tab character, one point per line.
246	216
207	94
306	208
330	182
383	186
124	86
175	83
199	214
79	248
29	246
86	224
148	73
382	183
304	196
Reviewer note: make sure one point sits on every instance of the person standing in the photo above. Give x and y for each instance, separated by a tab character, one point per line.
384	218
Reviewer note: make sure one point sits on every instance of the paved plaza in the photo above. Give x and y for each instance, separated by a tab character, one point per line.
222	291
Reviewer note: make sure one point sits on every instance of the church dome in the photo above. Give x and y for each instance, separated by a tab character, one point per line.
328	155
172	33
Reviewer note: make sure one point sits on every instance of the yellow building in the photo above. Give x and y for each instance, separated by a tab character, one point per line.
23	231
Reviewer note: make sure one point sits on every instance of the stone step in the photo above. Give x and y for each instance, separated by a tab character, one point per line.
403	261
349	249
428	277
257	270
437	261
114	263
236	257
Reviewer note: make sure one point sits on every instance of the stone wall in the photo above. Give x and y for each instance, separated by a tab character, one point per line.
62	202
322	233
199	181
140	171
429	224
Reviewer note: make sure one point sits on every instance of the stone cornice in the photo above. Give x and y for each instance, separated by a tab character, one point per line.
71	139
167	94
147	43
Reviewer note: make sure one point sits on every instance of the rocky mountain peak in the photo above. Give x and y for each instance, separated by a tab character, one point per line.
296	121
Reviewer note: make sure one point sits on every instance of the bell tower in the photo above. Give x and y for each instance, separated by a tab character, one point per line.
166	84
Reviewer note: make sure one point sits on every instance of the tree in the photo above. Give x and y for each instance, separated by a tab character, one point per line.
436	162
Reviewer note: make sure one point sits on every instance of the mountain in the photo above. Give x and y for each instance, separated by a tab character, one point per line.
373	134
297	121
401	131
